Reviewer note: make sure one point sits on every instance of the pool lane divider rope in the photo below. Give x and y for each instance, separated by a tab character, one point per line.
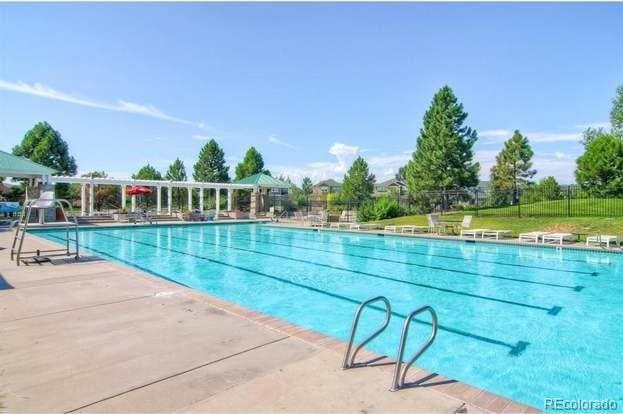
514	349
465	272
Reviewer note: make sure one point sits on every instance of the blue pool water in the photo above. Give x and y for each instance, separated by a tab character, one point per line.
525	322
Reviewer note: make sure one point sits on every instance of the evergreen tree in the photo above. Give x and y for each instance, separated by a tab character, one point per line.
177	172
549	189
616	114
211	164
252	163
307	186
599	170
513	169
147	172
358	182
44	145
443	159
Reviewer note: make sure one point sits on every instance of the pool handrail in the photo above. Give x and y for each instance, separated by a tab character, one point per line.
401	372
350	358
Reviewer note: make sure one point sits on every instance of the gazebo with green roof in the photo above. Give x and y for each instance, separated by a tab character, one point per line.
21	167
261	181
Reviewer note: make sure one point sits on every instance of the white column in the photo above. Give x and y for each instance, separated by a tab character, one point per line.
169	199
201	199
83	200
123	197
218	203
190	198
229	196
158	200
91	197
133	203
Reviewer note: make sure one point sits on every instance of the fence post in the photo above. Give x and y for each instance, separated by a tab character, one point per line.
477	201
518	198
569	201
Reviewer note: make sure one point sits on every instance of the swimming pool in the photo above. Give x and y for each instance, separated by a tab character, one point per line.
525	322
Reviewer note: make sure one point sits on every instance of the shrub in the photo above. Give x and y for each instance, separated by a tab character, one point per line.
383	208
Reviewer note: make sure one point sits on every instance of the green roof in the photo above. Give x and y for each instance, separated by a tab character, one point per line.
21	167
263	180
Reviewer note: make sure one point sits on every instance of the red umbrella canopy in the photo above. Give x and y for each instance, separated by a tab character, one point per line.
138	190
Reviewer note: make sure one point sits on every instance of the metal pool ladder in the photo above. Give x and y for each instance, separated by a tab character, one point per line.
400	372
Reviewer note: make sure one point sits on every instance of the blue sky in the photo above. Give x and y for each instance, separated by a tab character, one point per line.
310	85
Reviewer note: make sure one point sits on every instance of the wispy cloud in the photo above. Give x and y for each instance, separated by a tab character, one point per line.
596	125
276	141
201	137
534	136
43	91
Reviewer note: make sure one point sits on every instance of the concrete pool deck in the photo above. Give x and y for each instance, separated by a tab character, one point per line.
94	336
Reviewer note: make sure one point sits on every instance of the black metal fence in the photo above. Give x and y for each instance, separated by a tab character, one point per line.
569	201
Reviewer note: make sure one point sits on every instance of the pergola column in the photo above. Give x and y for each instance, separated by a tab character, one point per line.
218	203
190	198
123	197
133	203
229	197
201	199
169	199
83	197
91	198
158	199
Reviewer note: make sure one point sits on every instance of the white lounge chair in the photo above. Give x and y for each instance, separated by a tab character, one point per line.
601	239
533	236
473	232
392	228
496	234
465	224
412	228
363	226
556	238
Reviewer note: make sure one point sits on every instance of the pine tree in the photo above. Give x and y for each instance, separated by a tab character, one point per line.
252	163
210	166
443	159
358	182
147	172
177	172
307	186
513	168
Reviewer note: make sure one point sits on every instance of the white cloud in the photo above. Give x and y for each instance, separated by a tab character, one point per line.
43	91
276	141
201	137
605	125
345	155
495	133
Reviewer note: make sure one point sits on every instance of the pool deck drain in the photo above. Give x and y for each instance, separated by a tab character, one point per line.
95	336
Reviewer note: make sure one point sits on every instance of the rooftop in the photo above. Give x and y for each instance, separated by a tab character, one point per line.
21	167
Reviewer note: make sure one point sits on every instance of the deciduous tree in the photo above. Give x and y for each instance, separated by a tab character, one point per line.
252	163
600	169
177	172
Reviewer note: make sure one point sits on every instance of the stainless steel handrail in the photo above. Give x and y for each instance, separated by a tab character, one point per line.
350	358
399	372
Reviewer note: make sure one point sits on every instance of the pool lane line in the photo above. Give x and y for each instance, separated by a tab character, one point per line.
554	310
421	253
397	236
465	272
515	349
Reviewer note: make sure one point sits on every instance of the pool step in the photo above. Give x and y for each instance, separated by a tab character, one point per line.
400	372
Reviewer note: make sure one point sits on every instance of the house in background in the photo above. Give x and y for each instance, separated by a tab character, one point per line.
388	185
327	187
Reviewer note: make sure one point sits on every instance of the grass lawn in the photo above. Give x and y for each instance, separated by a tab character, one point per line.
590	225
603	207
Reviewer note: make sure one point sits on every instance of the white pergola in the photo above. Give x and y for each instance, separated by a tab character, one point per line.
159	184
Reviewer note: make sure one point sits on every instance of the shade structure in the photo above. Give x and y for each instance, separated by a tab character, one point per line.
139	190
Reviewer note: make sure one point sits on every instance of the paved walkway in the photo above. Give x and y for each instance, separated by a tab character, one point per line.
95	336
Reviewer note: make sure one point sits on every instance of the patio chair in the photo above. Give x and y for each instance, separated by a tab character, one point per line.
412	228
532	236
434	225
556	238
393	228
603	238
363	226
